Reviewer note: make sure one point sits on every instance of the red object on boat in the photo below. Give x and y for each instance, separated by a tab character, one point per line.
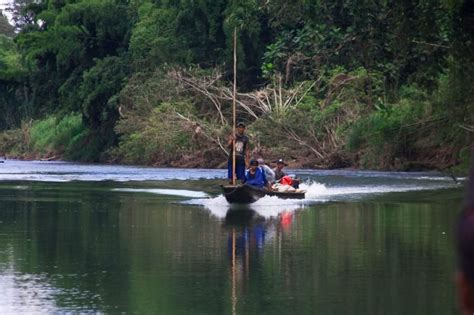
286	180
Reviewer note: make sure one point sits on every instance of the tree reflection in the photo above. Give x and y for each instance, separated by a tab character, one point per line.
84	247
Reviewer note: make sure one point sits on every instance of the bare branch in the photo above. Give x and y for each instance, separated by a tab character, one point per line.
431	44
204	131
468	128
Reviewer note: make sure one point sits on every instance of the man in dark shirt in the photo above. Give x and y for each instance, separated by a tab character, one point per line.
279	173
242	153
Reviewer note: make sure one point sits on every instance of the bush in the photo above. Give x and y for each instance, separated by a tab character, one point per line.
386	134
14	143
161	137
42	135
56	136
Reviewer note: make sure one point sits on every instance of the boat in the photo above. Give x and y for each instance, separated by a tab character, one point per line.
245	194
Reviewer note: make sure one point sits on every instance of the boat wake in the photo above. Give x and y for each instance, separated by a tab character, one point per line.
265	207
168	192
268	206
271	206
316	191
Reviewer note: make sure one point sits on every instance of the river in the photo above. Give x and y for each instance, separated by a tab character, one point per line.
135	240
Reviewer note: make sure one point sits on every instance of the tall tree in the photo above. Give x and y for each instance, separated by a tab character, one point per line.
68	47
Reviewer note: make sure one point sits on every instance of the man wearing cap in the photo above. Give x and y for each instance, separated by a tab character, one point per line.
242	153
255	176
278	170
282	177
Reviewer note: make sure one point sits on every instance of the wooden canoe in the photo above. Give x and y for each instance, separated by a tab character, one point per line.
245	194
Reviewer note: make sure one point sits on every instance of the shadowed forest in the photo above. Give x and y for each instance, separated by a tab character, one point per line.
383	85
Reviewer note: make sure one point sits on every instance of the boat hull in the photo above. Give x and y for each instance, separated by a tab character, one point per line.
245	194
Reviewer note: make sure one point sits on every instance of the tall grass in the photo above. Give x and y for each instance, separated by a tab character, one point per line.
53	136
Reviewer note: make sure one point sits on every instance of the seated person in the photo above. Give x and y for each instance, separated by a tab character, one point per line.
278	170
255	176
282	177
269	173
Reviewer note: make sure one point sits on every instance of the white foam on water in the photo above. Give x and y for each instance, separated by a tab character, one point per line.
440	178
269	206
169	192
218	206
316	191
36	178
266	207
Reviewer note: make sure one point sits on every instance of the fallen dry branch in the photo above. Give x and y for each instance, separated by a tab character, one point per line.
201	128
466	127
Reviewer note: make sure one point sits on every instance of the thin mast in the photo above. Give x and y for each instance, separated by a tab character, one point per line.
233	106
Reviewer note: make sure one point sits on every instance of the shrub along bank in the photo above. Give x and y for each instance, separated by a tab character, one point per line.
166	119
323	84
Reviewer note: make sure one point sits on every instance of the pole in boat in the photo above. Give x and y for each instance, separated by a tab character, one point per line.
233	106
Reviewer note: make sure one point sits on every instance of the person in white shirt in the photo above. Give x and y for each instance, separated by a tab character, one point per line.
269	173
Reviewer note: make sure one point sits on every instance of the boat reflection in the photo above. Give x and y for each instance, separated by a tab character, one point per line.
242	217
248	233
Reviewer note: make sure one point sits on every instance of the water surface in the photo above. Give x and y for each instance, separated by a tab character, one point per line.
115	239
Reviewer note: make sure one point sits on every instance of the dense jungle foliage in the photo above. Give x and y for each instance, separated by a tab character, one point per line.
369	84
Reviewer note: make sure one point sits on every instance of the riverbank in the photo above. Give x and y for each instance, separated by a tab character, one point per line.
219	161
186	144
345	92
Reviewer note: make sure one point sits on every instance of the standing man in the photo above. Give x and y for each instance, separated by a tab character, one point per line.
242	153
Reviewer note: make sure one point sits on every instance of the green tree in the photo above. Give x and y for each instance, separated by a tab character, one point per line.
12	76
67	48
200	32
98	90
405	40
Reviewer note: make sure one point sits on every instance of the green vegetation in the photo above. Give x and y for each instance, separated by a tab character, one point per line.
328	84
56	136
48	138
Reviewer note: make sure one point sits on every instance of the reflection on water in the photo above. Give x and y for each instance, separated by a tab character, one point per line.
363	259
248	232
25	293
88	247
